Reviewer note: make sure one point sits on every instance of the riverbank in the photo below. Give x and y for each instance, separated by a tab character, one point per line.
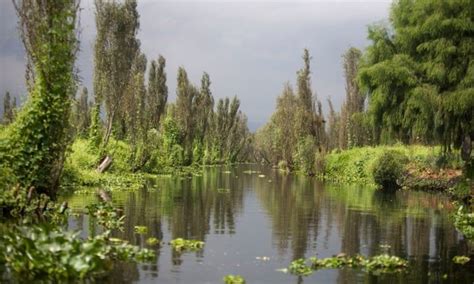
423	166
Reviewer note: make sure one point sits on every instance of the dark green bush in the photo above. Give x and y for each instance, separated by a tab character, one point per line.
388	169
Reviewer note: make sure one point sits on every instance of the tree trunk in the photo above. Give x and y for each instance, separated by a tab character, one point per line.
105	164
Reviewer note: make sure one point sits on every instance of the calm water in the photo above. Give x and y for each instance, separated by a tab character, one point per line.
282	217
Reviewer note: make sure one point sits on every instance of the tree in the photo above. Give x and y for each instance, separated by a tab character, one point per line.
37	140
157	90
8	108
355	100
115	49
419	73
83	113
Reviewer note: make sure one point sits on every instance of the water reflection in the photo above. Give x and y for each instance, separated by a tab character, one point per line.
284	217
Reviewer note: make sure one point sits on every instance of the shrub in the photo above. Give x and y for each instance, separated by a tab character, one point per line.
388	169
283	166
304	156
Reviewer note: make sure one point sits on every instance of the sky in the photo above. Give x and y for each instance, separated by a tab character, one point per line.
249	48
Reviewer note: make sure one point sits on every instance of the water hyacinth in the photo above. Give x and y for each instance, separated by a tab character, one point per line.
378	264
181	244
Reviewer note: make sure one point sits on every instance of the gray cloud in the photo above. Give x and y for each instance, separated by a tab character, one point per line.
249	48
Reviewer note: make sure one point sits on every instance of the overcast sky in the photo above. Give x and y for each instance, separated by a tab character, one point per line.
249	48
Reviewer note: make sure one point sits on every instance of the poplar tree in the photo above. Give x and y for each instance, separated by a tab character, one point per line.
8	109
83	113
157	90
115	49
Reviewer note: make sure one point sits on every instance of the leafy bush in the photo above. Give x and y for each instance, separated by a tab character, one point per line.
389	169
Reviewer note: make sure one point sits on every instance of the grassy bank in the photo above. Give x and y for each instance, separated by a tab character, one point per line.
357	165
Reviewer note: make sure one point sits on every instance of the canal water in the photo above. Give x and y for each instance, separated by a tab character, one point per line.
255	220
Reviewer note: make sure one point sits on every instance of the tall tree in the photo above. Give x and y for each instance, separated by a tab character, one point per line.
204	106
8	109
37	140
352	118
157	90
83	113
115	49
186	95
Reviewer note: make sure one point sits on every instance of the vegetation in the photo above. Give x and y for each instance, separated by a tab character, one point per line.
409	107
52	254
233	279
389	170
461	259
378	264
180	244
33	147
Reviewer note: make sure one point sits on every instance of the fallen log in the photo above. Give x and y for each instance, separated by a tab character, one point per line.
104	164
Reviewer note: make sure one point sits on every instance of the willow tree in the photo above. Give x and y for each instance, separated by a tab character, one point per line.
419	73
36	143
115	49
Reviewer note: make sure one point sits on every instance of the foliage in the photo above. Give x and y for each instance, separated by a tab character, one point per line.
378	264
9	107
152	241
142	230
299	267
296	126
37	140
461	259
82	113
233	279
115	51
107	215
464	222
180	244
43	253
357	164
389	169
304	155
418	73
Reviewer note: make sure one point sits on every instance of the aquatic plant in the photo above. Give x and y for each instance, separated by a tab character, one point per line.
152	241
181	244
299	267
378	264
107	215
385	264
141	230
464	222
223	190
52	254
461	259
233	279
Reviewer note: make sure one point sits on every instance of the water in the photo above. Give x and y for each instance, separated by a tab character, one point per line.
263	223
